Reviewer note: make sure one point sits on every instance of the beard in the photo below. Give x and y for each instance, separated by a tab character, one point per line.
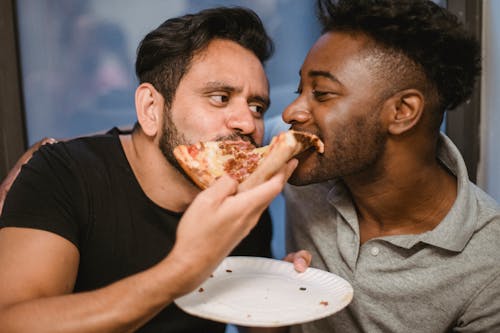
354	148
171	137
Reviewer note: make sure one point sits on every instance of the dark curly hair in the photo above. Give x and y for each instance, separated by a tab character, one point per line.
165	54
427	35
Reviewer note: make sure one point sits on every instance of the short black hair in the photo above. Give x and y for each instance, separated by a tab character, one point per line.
428	35
165	54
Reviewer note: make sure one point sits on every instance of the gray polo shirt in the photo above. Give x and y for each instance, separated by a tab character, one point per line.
444	280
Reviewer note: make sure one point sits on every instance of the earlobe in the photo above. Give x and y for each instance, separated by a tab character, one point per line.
149	107
407	108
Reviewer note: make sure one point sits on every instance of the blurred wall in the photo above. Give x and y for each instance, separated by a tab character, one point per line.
489	164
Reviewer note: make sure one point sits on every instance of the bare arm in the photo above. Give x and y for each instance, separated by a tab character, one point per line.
39	268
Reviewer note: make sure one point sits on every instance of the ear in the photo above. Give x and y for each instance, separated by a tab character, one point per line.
149	106
406	108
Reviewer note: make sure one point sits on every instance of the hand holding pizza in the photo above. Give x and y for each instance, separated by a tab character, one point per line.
217	220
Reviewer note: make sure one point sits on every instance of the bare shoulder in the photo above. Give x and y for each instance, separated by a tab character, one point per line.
35	263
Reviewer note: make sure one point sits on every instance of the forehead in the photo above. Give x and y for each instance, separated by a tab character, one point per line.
227	61
342	54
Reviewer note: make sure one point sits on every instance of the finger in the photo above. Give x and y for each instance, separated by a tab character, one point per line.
289	257
290	167
268	190
285	170
48	141
220	189
301	260
41	142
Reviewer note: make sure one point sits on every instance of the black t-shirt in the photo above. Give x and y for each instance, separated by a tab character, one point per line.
85	191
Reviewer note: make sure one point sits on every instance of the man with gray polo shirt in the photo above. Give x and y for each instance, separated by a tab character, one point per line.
389	206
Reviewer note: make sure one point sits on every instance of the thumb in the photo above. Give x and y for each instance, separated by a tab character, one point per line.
221	188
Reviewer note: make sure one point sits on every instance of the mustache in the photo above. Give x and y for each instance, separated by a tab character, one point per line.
236	137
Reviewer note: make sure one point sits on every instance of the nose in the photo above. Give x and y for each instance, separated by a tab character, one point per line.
297	112
241	119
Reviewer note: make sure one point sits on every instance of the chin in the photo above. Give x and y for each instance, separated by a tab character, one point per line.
305	172
301	176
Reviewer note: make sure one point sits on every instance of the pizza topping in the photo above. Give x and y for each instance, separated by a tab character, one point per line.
193	150
204	162
242	164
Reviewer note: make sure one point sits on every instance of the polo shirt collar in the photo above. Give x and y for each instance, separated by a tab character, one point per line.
453	232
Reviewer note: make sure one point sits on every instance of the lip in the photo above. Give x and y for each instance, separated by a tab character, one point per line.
306	154
305	131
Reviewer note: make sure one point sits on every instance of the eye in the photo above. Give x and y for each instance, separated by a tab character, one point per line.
322	95
219	98
257	109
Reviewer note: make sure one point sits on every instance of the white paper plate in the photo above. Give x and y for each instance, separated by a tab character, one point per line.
251	291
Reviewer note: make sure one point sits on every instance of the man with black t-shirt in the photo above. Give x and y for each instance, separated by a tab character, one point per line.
96	234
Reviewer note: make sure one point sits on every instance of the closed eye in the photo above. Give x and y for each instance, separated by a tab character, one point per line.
322	95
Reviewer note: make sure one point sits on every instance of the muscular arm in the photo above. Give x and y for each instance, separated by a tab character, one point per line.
39	268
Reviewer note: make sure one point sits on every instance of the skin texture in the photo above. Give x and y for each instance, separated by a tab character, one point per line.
377	139
39	268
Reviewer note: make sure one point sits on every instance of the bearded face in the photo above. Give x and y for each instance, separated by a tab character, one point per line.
342	98
171	137
351	148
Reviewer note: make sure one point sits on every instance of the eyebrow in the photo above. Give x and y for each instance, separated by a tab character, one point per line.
261	99
218	85
325	74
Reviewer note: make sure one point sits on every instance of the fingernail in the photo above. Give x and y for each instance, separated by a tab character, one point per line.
300	265
50	141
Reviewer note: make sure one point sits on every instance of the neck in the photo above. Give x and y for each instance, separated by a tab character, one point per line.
409	196
159	180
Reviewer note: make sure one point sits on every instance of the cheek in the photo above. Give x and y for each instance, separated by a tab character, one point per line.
197	126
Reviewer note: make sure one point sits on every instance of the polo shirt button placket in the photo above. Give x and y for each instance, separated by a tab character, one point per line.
374	251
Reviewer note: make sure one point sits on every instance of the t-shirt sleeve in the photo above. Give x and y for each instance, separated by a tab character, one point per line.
46	194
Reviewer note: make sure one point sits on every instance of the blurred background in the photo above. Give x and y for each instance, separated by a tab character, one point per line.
77	57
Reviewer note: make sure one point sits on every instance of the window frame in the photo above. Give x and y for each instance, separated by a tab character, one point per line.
13	139
463	124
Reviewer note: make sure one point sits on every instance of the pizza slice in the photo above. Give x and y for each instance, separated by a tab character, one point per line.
204	162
